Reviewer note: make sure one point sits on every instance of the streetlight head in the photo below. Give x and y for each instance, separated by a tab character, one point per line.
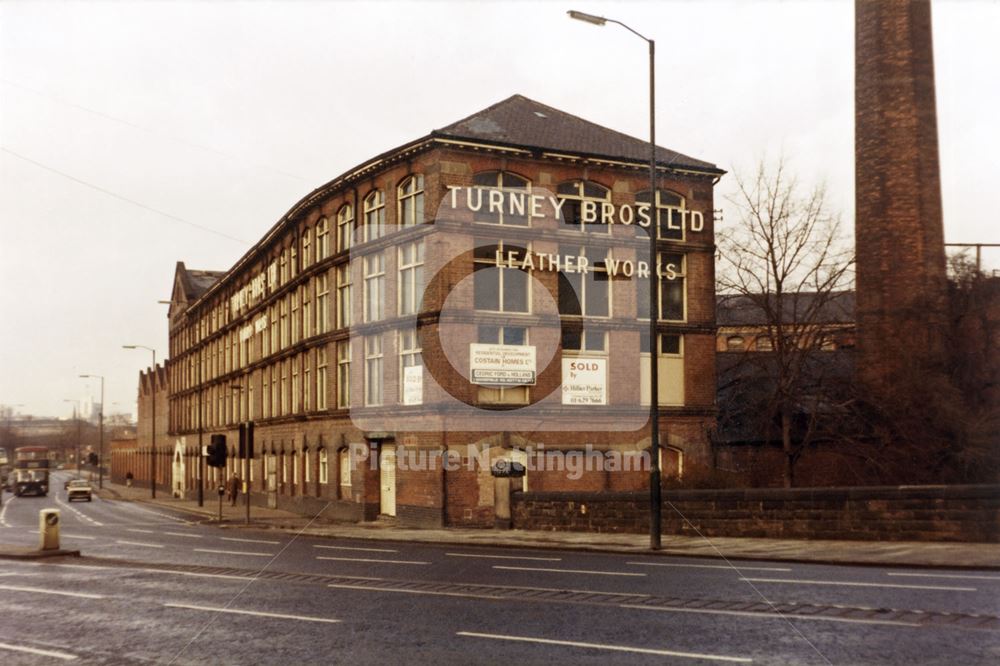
128	346
589	18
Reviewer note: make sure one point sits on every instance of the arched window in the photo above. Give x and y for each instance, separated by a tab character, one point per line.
344	470
764	343
511	207
735	343
584	206
345	227
322	239
668	214
324	467
411	201
374	220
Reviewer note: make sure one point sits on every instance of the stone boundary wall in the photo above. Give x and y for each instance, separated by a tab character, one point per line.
905	513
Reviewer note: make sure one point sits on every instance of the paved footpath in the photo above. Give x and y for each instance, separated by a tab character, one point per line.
886	553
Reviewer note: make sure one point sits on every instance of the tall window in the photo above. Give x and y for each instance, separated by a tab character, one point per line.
374	220
321	374
275	391
324	467
283	308
296	296
585	294
503	335
343	295
584	342
373	370
322	303
411	201
585	205
409	355
500	197
343	375
670	222
322	238
672	289
411	277
374	287
284	402
307	378
296	386
344	467
307	312
499	289
266	393
345	227
670	369
307	257
283	266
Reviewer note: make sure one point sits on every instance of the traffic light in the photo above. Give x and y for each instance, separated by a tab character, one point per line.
217	451
92	458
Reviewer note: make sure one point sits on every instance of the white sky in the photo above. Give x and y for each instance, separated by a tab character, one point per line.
221	115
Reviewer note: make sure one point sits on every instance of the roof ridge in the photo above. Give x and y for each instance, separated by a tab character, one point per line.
481	111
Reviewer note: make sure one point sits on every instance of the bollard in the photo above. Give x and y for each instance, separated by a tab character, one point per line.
48	529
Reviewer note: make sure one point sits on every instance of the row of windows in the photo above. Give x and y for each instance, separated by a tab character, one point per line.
297	472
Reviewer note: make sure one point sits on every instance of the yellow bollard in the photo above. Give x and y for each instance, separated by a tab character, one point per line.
48	529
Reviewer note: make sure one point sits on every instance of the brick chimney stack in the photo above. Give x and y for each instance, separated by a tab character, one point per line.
899	236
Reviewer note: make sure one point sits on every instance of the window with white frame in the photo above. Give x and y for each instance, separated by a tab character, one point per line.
307	465
586	294
503	335
411	201
670	384
283	266
409	354
344	469
343	374
307	378
500	289
578	341
374	216
284	400
283	309
321	375
324	467
296	297
500	197
307	312
374	286
296	385
343	295
411	277
307	237
345	227
584	206
672	289
373	370
322	238
669	215
266	393
322	303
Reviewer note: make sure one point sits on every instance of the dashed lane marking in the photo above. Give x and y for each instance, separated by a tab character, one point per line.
368	550
569	571
270	543
79	513
505	557
140	543
136	529
42	590
845	583
182	534
236	611
930	575
708	566
19	573
771	615
601	646
367	559
232	552
65	656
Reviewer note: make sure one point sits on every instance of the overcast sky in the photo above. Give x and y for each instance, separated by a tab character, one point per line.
136	135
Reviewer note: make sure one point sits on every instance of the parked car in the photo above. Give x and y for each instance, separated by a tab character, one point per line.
79	489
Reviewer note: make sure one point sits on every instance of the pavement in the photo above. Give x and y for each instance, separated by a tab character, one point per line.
875	553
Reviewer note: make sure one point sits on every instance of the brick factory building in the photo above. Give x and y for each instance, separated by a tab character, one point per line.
477	294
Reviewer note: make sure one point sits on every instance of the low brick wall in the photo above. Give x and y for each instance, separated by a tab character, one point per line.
908	513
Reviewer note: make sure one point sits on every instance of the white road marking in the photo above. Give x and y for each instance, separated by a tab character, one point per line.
232	552
139	543
18	573
364	559
570	571
505	557
182	534
708	566
930	575
3	511
271	543
79	513
600	646
133	507
370	550
41	590
135	529
192	573
65	656
282	616
773	616
793	581
68	536
432	593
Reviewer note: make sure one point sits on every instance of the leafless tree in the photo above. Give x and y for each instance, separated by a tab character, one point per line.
784	264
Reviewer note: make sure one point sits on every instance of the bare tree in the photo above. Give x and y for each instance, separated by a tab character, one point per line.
784	265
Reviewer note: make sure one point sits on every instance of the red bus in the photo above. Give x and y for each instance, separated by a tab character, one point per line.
31	471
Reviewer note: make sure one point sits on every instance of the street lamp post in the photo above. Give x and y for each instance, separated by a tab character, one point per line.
76	422
100	446
655	499
152	446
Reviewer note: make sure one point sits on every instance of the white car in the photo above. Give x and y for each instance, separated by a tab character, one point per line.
79	489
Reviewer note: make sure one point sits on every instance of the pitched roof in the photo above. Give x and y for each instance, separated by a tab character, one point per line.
524	123
196	282
749	310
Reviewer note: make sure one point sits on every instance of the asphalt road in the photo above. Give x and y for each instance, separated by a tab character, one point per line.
155	587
